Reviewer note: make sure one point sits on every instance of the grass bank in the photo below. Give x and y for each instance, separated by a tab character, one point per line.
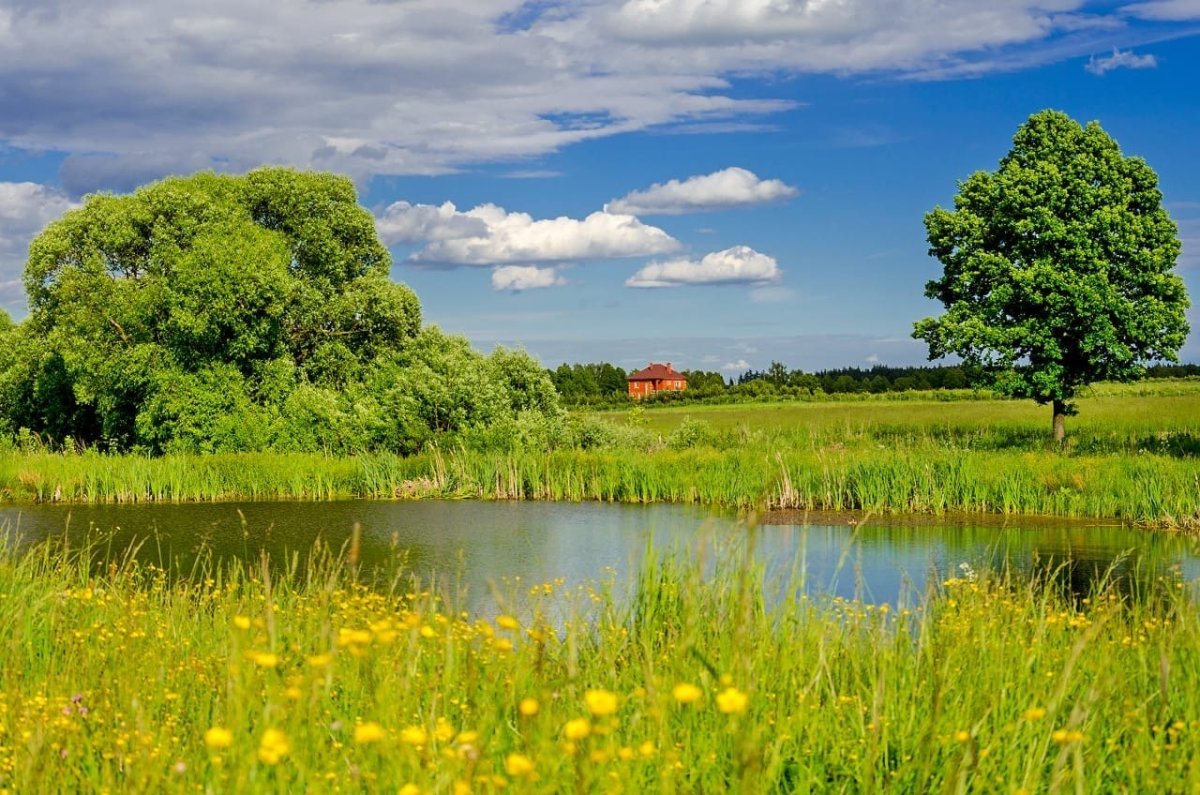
1133	455
230	681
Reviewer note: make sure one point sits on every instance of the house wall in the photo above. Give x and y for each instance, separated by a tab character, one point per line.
639	389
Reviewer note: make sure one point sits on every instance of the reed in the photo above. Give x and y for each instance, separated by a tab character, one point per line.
1131	457
248	678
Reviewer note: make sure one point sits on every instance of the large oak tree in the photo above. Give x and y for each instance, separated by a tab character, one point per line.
1058	267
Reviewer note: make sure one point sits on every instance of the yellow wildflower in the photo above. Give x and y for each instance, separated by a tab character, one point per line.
507	622
600	702
577	729
369	732
217	738
273	747
414	735
518	765
241	622
409	789
731	700
686	693
528	707
962	736
320	660
264	659
1034	713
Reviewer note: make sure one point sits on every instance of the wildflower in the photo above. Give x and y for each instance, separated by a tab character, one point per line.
577	729
409	789
217	738
600	702
1064	736
647	749
273	747
686	693
241	622
731	701
264	659
518	765
369	732
507	622
1034	713
320	660
528	707
414	735
963	736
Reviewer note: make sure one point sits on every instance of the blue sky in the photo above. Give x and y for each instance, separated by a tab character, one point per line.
716	183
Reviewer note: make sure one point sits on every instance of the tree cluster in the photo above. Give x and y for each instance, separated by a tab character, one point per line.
222	313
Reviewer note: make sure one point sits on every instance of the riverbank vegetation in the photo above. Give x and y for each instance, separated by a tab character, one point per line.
1132	457
243	678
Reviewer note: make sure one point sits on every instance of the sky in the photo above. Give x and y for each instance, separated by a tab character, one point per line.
714	183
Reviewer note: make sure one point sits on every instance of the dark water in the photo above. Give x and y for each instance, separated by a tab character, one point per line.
485	545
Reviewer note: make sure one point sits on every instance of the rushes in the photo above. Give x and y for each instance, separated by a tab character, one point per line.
1131	458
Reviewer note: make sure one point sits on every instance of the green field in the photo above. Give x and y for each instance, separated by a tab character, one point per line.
230	680
1133	454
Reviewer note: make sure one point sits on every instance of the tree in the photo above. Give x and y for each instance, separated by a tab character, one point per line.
1057	267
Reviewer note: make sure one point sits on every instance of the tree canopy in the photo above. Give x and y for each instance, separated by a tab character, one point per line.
1058	267
217	312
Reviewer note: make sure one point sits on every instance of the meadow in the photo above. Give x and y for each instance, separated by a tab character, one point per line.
239	678
1131	455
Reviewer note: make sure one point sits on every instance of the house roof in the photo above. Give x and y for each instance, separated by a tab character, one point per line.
655	372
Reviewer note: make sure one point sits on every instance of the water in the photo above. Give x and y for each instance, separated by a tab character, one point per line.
485	545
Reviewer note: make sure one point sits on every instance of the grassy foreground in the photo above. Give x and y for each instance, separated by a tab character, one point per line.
231	681
1132	455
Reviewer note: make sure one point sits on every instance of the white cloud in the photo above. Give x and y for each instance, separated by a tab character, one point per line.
402	222
1166	10
1120	59
490	235
737	265
525	277
430	86
730	187
25	209
740	366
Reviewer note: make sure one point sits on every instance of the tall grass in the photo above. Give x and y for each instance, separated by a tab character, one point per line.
1130	456
120	678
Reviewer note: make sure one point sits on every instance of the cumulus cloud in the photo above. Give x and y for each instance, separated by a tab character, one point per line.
730	187
489	235
431	86
740	366
1120	59
402	222
525	277
1166	10
737	265
25	209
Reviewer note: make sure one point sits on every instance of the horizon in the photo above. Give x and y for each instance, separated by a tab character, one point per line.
719	185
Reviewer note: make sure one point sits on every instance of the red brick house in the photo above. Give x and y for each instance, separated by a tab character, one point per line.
656	378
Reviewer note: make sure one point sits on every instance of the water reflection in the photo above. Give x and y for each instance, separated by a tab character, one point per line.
474	545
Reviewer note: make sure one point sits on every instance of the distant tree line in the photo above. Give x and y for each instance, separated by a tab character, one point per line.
603	382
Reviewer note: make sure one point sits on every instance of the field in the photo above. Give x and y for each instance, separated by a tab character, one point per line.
125	679
1132	455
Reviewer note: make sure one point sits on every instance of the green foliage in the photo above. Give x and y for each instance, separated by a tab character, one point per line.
1058	266
225	313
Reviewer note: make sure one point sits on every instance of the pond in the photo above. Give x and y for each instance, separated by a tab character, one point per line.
478	545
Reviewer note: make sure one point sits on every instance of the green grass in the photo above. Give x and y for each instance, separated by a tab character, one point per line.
1133	454
114	675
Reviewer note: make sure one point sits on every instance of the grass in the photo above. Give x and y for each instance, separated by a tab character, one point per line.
1132	455
121	678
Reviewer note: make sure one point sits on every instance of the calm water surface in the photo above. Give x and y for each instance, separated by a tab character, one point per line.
481	544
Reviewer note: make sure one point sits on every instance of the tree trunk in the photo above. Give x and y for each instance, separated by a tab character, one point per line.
1060	421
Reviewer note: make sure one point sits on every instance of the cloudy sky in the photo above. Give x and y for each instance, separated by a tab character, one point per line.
717	183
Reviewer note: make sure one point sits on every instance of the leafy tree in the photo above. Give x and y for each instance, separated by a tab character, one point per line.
1058	267
217	312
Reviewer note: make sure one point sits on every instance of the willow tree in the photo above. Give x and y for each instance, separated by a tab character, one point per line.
1058	267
